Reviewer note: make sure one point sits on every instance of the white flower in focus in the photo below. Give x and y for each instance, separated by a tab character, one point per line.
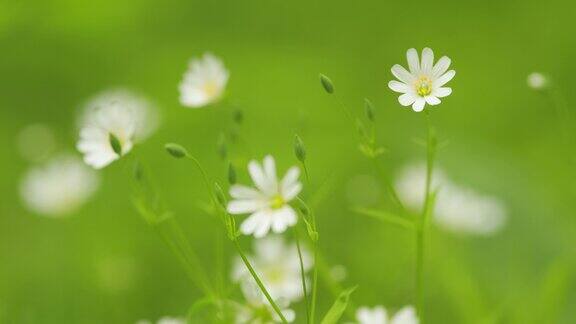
268	202
119	113
278	266
258	310
379	315
164	320
203	82
457	209
59	187
424	82
537	81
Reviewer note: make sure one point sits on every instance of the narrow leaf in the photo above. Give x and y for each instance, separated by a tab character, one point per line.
386	217
338	308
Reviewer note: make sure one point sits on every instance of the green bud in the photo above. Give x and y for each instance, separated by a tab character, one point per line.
369	108
238	116
176	150
231	174
326	83
299	149
220	197
115	143
222	148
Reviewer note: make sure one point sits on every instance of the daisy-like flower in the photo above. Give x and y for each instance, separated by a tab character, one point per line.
164	320
259	311
379	315
423	82
203	82
457	209
59	187
537	81
268	202
120	114
278	266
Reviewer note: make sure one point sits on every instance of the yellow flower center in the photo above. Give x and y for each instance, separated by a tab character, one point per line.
423	86
210	88
277	202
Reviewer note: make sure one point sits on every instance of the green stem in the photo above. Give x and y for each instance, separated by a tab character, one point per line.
204	176
389	186
259	282
302	277
314	283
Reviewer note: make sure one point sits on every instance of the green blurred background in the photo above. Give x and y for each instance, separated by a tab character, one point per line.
105	265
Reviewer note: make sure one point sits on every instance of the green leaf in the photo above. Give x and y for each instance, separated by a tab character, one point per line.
338	308
326	83
386	217
115	144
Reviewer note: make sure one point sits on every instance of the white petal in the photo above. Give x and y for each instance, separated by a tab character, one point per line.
283	218
406	315
442	92
427	60
401	74
259	177
407	99
441	66
270	170
398	86
444	78
251	223
290	178
243	206
291	191
419	104
413	62
263	226
243	192
431	100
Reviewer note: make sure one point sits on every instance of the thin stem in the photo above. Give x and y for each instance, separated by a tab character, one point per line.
345	108
302	277
389	186
259	282
204	176
314	284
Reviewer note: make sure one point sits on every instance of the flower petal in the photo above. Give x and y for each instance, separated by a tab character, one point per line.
427	60
442	92
401	74
441	66
259	177
243	192
290	178
406	315
251	223
413	61
407	99
263	226
398	86
290	192
444	78
243	206
283	218
419	104
270	171
432	100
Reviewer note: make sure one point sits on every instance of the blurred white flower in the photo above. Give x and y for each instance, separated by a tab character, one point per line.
338	273
268	202
537	81
59	187
457	209
203	82
164	320
258	310
119	113
36	142
379	315
424	82
278	266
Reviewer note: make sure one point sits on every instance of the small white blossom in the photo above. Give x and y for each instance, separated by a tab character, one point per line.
203	82
268	202
537	81
424	82
457	209
59	187
259	311
379	315
164	320
119	113
278	266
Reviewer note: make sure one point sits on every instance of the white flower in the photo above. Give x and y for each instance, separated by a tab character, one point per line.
379	315
164	320
203	82
59	187
120	113
537	81
278	266
268	202
458	209
259	311
424	82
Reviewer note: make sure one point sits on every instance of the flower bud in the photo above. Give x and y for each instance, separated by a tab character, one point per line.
115	144
176	150
369	109
231	174
326	83
299	149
